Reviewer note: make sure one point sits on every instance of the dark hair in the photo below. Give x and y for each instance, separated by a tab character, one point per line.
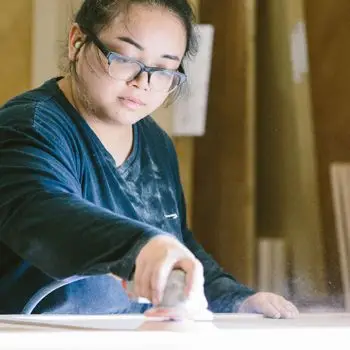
96	15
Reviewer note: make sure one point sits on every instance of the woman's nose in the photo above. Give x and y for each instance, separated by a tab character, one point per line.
141	81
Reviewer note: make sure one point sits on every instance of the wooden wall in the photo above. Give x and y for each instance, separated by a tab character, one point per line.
15	58
328	25
287	178
223	196
185	150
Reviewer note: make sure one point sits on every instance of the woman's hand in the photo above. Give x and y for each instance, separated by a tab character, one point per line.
156	260
270	305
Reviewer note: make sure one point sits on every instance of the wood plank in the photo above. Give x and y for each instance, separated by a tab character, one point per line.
224	200
340	177
15	70
51	23
328	25
288	198
185	150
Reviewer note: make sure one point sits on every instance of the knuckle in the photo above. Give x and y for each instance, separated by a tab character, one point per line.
198	266
154	288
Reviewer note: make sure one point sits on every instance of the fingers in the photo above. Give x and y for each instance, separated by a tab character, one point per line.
270	305
293	310
145	289
137	279
156	312
189	279
288	310
143	278
270	310
194	274
162	312
171	313
282	307
155	262
159	279
188	267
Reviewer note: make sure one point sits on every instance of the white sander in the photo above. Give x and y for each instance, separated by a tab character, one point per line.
180	307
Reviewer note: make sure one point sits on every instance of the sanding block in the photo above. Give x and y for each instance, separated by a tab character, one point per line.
175	302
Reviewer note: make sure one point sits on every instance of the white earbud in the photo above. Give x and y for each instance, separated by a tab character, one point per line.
78	44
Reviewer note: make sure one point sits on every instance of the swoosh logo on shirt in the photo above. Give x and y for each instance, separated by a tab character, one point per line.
171	216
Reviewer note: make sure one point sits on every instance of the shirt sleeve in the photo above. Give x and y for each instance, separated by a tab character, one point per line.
223	292
45	220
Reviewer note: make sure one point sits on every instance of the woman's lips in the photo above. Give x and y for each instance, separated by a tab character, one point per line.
131	102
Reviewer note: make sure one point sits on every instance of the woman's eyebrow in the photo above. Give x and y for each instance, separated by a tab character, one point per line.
131	42
138	46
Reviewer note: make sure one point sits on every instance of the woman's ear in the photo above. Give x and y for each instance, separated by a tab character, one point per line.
75	42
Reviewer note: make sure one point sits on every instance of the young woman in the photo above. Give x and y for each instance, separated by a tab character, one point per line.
89	184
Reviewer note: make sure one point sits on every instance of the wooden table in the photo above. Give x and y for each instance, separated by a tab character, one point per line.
310	331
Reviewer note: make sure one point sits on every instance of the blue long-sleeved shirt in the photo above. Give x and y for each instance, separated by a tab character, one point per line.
66	209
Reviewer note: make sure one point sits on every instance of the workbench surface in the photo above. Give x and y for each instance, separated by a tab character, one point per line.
227	331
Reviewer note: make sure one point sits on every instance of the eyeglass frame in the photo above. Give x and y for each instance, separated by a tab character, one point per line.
143	68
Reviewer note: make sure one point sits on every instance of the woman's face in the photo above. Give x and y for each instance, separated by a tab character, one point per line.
151	35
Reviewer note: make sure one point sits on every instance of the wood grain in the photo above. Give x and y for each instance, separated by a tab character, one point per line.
15	36
328	25
340	185
224	200
288	198
185	150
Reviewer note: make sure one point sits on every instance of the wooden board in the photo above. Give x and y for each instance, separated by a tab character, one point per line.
340	184
287	177
185	151
51	22
224	166
15	60
328	26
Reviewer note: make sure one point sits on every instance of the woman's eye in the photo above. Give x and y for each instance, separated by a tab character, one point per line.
166	73
123	59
